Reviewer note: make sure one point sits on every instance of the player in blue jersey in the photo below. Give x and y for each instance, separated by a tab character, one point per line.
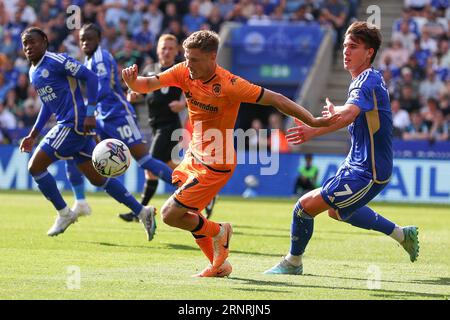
116	117
56	79
368	166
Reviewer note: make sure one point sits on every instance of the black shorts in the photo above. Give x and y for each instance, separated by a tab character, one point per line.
162	144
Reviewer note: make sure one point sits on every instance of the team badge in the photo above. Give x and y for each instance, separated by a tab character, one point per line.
45	73
233	80
217	88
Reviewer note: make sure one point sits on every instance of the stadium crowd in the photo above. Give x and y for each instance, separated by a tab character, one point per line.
416	65
416	69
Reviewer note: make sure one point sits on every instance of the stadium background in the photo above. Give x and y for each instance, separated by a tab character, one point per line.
288	46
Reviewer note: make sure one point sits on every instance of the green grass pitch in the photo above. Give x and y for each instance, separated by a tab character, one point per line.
114	260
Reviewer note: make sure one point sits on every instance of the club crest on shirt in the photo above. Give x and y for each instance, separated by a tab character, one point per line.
45	73
217	88
233	80
354	94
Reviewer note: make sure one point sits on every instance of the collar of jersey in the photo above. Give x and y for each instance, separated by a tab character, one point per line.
359	75
33	68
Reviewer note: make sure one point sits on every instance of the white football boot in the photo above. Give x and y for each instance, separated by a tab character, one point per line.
147	217
81	208
63	220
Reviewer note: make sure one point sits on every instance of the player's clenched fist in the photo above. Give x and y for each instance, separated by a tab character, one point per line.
130	74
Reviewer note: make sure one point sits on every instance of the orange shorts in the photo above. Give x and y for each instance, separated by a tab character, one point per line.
198	183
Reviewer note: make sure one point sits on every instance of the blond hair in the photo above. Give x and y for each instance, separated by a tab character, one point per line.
205	40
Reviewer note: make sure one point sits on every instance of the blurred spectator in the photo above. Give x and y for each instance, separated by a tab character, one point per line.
21	64
155	17
443	50
128	55
336	13
406	79
418	73
259	18
89	13
143	37
71	45
444	106
397	54
420	54
176	29
7	119
431	86
417	130
434	26
257	138
407	99
29	116
205	8
21	88
115	10
193	20
400	118
236	14
406	17
225	7
427	42
302	15
5	87
8	47
417	5
406	37
215	20
307	176
440	128
28	15
171	13
277	142
248	8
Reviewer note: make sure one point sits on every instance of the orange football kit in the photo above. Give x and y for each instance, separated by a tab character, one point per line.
213	108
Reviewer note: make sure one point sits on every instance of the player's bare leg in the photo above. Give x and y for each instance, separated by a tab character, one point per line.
176	215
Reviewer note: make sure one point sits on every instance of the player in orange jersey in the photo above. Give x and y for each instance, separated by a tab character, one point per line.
213	97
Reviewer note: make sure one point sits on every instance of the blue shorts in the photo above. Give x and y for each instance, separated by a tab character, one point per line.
349	190
120	128
63	143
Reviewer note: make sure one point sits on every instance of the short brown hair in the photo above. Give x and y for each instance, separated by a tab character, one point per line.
205	40
366	33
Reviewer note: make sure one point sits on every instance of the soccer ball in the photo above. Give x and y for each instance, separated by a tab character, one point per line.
111	158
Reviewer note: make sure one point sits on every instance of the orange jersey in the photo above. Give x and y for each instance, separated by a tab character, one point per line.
213	108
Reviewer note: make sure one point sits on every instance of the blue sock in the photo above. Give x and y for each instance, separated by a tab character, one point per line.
157	167
116	190
76	180
301	230
368	219
47	185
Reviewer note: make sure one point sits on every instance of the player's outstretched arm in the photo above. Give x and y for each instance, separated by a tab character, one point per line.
302	132
26	145
137	83
289	107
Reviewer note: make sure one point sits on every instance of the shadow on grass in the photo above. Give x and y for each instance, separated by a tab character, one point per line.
434	282
375	292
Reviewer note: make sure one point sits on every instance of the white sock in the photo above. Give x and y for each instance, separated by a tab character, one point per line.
64	211
81	201
221	231
397	234
294	260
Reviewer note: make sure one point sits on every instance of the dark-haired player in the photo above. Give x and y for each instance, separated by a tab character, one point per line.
56	79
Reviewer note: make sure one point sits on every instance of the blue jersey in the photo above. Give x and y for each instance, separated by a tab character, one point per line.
112	102
371	132
55	78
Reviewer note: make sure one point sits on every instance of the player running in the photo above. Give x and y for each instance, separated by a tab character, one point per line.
55	78
213	97
163	108
115	118
368	166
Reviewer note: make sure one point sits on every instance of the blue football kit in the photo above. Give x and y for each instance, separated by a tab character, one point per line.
368	166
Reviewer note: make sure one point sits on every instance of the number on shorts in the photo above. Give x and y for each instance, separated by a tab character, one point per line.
125	132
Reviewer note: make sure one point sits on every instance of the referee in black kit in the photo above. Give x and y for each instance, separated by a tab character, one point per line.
163	108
